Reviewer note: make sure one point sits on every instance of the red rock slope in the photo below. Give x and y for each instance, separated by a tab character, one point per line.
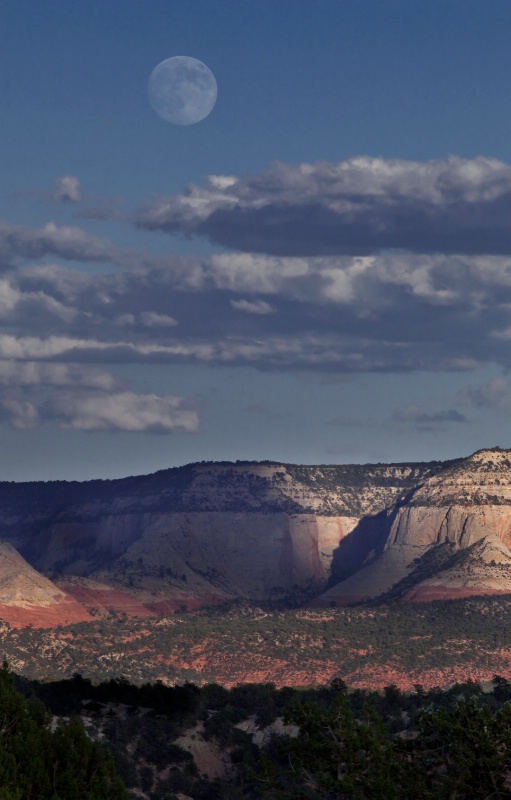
28	598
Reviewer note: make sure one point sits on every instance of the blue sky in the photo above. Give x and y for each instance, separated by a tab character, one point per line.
318	272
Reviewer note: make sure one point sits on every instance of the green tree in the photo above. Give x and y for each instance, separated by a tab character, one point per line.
335	756
37	763
464	752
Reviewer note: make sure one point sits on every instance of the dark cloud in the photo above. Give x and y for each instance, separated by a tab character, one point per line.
389	312
496	394
427	420
18	244
360	206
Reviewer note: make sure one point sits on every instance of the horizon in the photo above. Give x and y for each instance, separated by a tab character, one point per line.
268	462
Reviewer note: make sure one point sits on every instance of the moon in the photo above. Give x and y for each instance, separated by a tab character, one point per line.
182	90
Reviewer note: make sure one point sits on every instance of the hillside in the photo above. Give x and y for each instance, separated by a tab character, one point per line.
434	644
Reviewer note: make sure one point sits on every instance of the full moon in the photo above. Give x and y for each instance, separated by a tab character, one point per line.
182	90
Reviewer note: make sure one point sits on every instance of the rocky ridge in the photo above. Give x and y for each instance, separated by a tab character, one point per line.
211	533
451	538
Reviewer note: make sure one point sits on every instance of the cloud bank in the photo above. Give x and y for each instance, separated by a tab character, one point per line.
384	312
369	265
359	206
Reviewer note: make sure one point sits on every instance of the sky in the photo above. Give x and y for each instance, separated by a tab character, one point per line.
318	272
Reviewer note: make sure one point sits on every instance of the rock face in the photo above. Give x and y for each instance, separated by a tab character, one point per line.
210	533
203	534
451	538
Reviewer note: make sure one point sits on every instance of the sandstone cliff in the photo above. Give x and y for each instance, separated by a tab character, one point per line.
210	533
202	534
456	526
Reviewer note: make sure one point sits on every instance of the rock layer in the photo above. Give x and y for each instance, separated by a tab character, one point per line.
210	533
463	512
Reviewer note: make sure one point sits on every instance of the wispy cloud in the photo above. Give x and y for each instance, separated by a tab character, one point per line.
123	411
424	420
252	306
67	189
495	394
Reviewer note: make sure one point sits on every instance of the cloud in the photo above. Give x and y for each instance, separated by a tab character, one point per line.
32	373
359	206
67	188
145	319
124	411
18	243
388	312
350	314
21	414
152	320
427	420
495	394
252	306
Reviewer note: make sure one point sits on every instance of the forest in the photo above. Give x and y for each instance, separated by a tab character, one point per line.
75	739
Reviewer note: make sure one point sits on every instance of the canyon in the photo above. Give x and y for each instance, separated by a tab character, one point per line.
208	534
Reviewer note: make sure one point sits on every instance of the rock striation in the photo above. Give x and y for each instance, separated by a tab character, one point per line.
451	538
210	533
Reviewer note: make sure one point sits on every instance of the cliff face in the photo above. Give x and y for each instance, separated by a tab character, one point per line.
451	538
201	534
229	554
209	533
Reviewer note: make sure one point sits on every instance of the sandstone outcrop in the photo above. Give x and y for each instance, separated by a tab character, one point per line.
200	535
206	534
456	525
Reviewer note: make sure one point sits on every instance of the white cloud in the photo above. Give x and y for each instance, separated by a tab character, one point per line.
67	188
19	244
153	320
124	411
253	306
387	311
